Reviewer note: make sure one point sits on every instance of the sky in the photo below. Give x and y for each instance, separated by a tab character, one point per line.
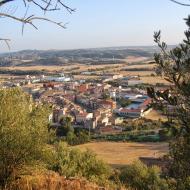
97	23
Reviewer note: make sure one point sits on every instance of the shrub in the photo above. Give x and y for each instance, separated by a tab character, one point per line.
74	163
78	136
65	126
23	132
140	177
164	134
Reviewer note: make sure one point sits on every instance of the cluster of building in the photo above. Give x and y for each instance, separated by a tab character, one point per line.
32	79
90	105
94	106
139	106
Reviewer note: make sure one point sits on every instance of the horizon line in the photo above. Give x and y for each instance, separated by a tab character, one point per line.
88	48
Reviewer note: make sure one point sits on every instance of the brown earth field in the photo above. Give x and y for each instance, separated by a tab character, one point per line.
86	77
107	68
132	59
138	66
156	115
81	67
123	153
154	80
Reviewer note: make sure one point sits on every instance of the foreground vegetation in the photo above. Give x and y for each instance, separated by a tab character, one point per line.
174	66
139	130
27	142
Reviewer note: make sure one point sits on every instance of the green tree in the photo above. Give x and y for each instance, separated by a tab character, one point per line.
83	137
65	126
105	95
164	134
23	132
124	102
71	138
74	163
174	66
140	177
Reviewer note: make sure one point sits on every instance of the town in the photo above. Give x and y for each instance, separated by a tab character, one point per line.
96	106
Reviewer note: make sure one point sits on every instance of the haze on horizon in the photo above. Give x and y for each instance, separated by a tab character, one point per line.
99	23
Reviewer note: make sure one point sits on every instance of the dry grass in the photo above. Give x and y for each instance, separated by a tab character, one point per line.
132	59
153	80
156	115
86	77
125	153
150	66
108	68
135	73
52	181
37	68
63	67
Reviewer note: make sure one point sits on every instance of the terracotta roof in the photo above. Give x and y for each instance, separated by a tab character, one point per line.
82	114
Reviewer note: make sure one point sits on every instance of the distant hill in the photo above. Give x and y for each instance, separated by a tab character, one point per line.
88	56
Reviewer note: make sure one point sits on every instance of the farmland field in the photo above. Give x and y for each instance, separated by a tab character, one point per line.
81	67
156	115
123	153
133	65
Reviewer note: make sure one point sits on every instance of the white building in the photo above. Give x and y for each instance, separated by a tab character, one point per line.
83	117
58	79
133	96
130	113
133	82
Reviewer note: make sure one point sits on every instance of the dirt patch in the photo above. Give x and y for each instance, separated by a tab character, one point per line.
125	153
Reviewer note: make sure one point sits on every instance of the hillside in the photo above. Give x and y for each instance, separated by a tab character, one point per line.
61	57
